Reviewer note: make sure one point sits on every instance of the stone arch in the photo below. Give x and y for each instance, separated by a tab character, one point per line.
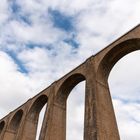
114	55
36	107
32	117
16	120
110	56
2	125
67	86
59	109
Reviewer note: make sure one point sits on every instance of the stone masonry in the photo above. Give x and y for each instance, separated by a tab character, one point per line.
99	118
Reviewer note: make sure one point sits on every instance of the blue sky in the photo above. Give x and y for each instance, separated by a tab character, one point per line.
42	40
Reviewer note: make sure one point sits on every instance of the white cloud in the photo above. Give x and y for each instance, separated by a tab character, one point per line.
97	23
128	119
14	85
3	12
125	83
75	112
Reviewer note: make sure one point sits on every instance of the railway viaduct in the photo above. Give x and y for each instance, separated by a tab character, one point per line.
99	118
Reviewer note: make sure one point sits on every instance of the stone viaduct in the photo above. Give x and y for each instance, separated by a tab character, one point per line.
99	117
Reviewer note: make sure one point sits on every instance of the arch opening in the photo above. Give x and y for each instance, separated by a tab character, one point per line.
16	120
124	86
36	107
40	121
67	87
75	113
36	114
114	55
74	105
111	58
2	124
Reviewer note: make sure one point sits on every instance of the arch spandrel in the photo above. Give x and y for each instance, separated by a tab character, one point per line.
132	34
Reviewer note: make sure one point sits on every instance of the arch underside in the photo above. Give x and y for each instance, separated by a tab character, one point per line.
36	107
105	107
15	122
2	124
60	105
67	86
114	55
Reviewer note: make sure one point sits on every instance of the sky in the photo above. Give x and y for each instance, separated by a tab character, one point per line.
41	40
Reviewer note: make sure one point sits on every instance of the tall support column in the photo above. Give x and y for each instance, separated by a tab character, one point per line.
9	135
47	120
100	121
56	128
90	120
54	124
90	125
106	120
29	130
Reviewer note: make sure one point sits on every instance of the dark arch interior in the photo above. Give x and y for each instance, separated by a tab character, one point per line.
15	122
2	124
36	107
67	86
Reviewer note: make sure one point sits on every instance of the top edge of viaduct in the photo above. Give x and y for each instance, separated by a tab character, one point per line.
128	35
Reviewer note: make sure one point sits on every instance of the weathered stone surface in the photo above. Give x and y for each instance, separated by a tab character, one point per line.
100	122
